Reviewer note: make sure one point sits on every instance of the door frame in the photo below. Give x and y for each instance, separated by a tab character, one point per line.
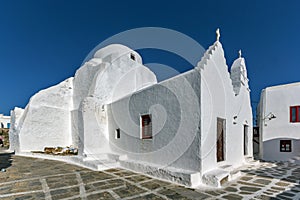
222	143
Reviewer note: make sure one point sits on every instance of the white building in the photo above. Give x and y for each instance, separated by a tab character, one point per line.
192	129
4	121
278	115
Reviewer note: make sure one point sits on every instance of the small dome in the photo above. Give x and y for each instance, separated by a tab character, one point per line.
115	51
238	63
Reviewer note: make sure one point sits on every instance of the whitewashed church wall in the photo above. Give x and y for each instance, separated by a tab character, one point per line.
175	113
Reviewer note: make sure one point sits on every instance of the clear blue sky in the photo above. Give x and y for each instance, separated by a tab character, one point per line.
45	42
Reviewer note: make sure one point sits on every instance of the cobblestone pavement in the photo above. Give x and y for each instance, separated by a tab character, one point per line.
32	178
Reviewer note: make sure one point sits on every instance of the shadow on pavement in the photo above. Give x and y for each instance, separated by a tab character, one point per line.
5	160
287	175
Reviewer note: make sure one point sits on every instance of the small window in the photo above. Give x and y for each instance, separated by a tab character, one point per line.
132	56
146	126
117	133
8	125
285	146
294	114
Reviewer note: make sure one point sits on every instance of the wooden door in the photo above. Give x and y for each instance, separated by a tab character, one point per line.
220	139
146	127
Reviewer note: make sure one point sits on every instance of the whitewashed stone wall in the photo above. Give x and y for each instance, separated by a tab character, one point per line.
277	100
14	143
71	113
175	109
113	89
184	112
45	121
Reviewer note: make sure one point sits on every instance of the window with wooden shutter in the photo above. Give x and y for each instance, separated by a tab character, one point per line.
146	126
294	114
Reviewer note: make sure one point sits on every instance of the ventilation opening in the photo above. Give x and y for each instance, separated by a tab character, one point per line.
117	133
132	56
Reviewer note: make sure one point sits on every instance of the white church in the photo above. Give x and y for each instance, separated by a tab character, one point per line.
192	129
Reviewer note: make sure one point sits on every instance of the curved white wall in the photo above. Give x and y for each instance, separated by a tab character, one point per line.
277	100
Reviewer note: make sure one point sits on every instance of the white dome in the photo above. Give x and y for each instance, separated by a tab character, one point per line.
114	51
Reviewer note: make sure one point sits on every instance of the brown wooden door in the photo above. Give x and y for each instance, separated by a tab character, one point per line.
146	127
220	139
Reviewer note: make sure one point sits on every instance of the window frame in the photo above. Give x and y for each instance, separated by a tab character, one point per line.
297	113
142	134
117	133
284	144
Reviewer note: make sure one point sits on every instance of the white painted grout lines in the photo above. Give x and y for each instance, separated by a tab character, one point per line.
81	186
115	195
46	189
137	185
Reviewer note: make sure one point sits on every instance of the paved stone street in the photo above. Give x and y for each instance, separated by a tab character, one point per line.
32	178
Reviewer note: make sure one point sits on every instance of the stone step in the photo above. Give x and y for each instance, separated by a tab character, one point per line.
216	177
101	164
106	156
108	165
219	176
101	161
249	158
253	162
184	177
226	167
235	174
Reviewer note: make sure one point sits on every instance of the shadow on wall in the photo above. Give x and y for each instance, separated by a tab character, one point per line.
282	149
286	176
